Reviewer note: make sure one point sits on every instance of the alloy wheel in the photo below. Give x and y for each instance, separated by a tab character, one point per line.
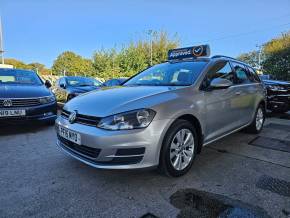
182	149
259	119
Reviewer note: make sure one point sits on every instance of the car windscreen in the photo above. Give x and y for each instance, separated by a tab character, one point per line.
169	74
82	81
19	77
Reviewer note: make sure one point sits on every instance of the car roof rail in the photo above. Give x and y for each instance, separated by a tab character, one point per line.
223	56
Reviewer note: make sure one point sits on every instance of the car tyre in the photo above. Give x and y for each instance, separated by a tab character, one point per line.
257	124
179	149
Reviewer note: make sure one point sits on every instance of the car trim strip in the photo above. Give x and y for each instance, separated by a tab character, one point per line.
133	155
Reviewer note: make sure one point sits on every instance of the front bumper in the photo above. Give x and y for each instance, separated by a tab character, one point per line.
278	102
125	149
41	113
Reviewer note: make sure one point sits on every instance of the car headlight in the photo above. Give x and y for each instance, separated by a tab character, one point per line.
47	100
129	120
276	88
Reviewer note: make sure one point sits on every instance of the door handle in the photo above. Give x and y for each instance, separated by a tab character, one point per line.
238	93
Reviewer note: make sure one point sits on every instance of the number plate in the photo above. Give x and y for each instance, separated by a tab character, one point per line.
69	135
12	113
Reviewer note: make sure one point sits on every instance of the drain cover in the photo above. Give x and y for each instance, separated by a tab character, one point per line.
274	144
278	126
271	184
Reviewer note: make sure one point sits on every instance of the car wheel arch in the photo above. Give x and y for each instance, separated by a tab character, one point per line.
194	121
263	102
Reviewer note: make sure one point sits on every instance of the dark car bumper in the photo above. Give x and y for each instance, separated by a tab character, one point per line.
41	113
278	102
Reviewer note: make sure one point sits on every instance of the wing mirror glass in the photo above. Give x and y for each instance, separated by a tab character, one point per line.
220	83
47	84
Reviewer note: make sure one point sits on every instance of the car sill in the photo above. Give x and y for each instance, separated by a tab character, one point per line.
222	136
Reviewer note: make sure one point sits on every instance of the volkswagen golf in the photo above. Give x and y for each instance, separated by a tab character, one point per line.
163	116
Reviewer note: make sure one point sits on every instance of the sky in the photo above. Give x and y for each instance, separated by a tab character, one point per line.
38	31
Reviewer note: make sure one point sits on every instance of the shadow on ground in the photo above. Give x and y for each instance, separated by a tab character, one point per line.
15	129
285	116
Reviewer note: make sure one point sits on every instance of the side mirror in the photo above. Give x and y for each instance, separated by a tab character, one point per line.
47	84
219	83
62	85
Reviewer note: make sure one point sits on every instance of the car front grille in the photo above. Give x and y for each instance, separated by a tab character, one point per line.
25	102
82	149
287	87
82	119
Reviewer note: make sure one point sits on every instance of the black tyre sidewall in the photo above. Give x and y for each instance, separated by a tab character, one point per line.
165	153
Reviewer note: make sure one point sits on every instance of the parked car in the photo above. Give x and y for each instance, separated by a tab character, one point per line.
164	115
278	94
24	97
114	82
69	87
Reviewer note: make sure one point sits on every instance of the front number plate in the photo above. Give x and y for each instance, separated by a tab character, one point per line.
12	113
69	135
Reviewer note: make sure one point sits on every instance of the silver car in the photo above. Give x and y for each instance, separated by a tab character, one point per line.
164	115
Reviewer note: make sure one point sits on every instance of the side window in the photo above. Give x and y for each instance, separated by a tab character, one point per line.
241	73
110	83
221	69
254	75
115	82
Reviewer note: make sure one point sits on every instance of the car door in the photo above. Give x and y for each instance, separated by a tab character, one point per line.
247	92
259	87
221	109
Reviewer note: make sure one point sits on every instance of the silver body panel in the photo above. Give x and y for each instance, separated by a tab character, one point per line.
219	112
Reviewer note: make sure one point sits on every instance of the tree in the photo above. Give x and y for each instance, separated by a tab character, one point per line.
105	62
161	44
277	61
133	58
38	67
251	58
16	63
72	64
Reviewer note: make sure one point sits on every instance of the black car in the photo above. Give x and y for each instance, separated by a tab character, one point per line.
69	87
24	97
278	94
114	82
